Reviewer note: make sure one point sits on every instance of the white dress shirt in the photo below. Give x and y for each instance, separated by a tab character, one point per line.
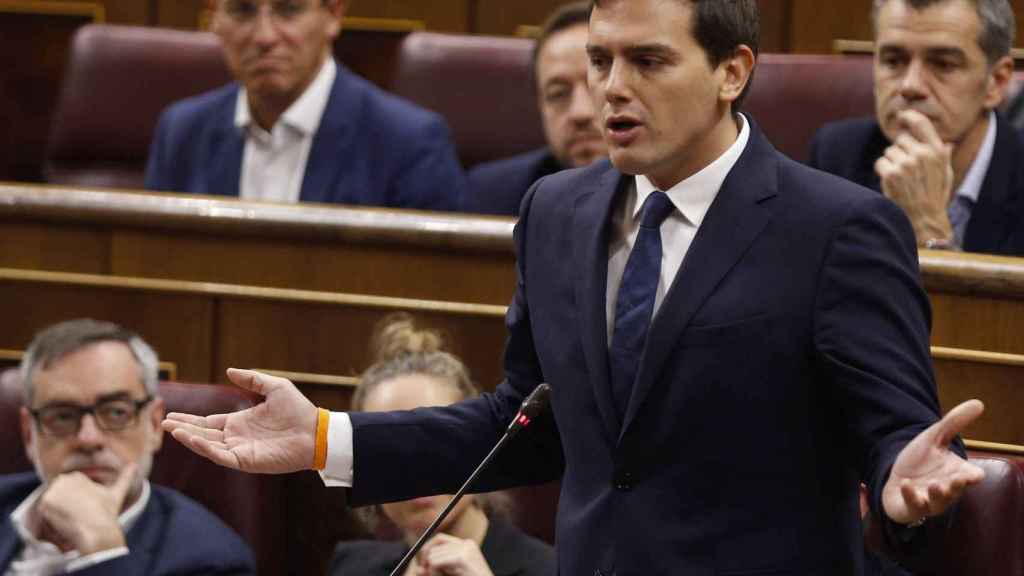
274	162
41	558
692	198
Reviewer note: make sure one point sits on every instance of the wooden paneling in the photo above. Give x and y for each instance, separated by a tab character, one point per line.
400	253
439	15
502	18
995	379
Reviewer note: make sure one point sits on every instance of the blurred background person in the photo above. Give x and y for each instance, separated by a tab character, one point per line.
299	126
570	125
413	371
91	425
937	145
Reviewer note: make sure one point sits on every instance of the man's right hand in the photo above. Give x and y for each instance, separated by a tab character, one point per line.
916	172
275	437
80	514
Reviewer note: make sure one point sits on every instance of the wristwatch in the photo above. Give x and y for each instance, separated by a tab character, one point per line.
940	244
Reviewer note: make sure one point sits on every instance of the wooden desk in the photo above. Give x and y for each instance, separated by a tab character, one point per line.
400	253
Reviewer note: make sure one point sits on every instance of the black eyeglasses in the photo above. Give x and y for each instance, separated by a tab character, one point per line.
111	415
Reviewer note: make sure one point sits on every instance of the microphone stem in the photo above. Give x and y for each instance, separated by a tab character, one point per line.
451	504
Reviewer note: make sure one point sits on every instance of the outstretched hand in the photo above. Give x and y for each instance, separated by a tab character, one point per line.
275	437
927	478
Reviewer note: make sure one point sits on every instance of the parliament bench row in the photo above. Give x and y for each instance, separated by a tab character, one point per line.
119	78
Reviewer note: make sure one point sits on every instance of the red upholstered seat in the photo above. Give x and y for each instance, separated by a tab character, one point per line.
795	94
483	87
117	80
249	503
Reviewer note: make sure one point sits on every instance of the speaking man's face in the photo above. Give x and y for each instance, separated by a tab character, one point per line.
275	48
929	60
657	95
570	123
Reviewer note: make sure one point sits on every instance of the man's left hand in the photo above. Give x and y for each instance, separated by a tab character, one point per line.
927	478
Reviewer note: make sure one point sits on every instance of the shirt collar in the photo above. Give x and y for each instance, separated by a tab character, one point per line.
27	531
970	188
694	195
304	114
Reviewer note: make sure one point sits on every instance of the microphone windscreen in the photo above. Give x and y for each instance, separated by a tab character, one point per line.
536	402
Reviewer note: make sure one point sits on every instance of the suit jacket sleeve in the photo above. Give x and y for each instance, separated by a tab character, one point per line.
403	455
158	170
432	178
872	321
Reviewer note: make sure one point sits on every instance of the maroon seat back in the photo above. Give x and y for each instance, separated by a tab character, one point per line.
795	94
988	531
117	80
249	503
481	85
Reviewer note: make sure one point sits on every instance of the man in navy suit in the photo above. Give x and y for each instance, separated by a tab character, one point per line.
570	124
298	125
937	146
91	424
734	342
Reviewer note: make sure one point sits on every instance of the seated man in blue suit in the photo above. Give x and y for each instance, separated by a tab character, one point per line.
937	146
570	123
733	341
91	426
298	125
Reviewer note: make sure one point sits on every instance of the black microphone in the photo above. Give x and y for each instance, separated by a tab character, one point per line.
532	407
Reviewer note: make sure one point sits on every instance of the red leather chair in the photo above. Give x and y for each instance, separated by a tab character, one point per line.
117	80
483	87
795	94
249	503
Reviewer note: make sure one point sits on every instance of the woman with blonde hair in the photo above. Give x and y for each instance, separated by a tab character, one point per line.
412	370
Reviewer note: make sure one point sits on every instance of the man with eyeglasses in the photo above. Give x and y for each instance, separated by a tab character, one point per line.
91	424
298	126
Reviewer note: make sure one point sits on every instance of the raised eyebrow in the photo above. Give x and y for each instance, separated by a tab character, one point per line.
659	50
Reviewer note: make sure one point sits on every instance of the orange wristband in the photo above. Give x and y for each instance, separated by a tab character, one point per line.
320	452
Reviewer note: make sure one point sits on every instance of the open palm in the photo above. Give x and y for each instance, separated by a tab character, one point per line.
927	478
274	437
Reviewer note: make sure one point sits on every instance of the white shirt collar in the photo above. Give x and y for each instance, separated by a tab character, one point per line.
305	113
27	531
694	195
970	188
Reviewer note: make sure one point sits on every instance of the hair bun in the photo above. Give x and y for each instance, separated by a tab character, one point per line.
396	335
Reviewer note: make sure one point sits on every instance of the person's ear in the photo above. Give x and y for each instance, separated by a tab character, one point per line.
156	417
336	8
998	83
736	70
27	433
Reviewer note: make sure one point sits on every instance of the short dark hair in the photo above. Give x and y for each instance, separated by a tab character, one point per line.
54	343
722	26
998	25
566	16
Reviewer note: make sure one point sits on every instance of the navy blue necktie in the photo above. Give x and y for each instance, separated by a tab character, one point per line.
634	305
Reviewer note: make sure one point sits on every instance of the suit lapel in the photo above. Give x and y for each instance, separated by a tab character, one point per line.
226	148
734	220
994	215
327	154
9	542
591	223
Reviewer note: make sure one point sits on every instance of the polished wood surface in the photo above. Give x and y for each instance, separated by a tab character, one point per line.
401	253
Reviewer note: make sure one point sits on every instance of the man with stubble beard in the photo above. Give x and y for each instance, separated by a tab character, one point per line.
937	146
570	123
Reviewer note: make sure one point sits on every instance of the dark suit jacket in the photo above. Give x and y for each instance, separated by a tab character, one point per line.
789	361
372	148
173	536
507	550
849	148
498	187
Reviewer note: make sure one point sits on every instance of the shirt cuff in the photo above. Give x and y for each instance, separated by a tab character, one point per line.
338	470
84	562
